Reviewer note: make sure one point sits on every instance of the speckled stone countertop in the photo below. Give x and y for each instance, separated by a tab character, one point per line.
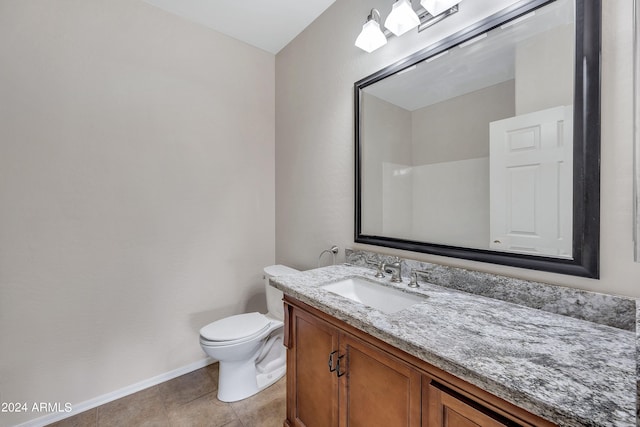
569	371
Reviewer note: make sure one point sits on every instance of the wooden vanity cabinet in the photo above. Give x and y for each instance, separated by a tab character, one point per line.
339	376
335	379
377	389
312	389
445	408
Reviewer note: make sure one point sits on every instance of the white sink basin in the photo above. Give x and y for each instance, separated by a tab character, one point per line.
383	298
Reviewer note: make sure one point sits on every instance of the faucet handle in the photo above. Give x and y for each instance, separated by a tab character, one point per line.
414	279
379	266
414	276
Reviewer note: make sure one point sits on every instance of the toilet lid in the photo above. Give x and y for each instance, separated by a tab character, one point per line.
235	327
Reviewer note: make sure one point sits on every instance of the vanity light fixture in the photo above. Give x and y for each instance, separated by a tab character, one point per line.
371	37
402	18
436	7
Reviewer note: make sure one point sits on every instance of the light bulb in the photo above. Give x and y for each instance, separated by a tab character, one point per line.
371	37
436	7
402	18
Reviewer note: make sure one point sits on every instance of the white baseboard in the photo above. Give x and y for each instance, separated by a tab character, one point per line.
114	395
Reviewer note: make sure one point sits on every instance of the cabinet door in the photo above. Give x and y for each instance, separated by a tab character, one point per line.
445	409
376	389
312	389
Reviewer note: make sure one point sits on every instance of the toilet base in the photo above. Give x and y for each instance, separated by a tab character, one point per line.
240	380
265	380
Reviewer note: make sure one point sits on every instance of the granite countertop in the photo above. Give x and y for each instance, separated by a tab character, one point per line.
569	371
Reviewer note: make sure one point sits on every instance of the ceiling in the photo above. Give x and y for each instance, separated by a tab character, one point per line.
268	25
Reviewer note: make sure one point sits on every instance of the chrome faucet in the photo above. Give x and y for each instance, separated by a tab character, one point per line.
395	269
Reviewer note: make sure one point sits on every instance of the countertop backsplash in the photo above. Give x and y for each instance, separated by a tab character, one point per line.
611	310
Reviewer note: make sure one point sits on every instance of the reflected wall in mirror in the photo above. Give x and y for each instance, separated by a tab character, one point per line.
482	148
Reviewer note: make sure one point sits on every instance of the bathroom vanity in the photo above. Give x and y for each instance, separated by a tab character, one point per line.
450	359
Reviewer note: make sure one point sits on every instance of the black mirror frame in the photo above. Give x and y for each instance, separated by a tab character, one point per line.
586	151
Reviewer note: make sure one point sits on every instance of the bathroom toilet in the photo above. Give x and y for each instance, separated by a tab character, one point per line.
249	347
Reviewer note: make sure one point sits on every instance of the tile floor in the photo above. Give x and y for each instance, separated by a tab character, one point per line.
187	401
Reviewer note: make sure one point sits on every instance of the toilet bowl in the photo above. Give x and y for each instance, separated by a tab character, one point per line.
249	347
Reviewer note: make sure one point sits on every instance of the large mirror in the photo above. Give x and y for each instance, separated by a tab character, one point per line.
486	146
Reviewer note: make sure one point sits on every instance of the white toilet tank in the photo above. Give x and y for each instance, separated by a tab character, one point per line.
274	296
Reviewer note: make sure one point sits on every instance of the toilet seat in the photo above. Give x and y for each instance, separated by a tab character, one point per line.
235	329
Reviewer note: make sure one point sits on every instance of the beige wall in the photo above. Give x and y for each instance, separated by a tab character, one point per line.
136	193
314	144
